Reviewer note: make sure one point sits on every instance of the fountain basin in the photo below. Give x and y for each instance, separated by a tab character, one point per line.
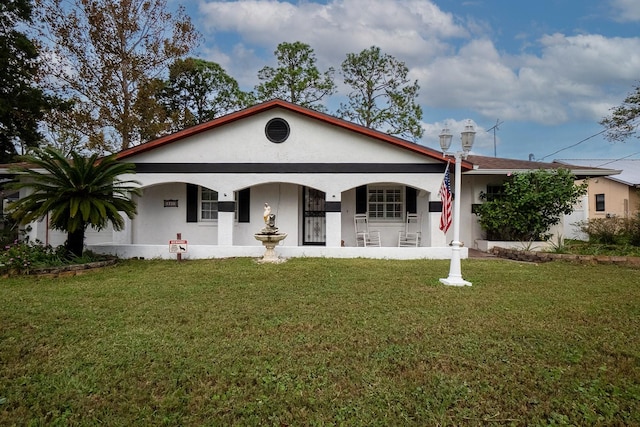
270	241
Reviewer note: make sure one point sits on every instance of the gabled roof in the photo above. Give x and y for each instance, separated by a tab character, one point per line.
498	166
278	103
629	168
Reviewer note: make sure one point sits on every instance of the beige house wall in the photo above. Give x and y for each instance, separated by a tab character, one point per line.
620	199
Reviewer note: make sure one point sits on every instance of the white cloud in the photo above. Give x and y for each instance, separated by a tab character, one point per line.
408	28
593	59
568	80
626	10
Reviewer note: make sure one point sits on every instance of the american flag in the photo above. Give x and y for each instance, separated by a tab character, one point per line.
445	198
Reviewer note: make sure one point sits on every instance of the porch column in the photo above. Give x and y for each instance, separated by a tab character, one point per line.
333	219
226	209
438	238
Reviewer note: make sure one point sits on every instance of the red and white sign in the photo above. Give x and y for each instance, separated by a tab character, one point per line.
177	246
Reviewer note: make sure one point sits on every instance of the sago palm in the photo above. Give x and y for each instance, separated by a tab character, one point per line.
76	192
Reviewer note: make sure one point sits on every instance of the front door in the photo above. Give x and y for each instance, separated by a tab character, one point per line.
314	225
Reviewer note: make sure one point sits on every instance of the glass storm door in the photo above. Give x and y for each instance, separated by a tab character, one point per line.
314	224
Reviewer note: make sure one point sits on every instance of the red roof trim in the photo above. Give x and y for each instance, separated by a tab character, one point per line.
278	103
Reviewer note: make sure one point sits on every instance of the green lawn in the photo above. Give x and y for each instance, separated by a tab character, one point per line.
315	342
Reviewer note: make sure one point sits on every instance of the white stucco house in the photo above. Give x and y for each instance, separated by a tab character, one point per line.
209	184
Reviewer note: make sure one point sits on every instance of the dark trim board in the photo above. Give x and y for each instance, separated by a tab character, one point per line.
226	206
435	206
332	206
290	167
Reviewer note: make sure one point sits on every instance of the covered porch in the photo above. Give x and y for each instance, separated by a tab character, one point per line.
220	222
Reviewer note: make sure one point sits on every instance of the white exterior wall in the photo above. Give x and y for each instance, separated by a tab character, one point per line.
156	224
309	142
580	214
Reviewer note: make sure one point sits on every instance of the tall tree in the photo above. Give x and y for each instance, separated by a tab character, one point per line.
77	193
382	98
22	103
296	78
623	121
105	51
198	91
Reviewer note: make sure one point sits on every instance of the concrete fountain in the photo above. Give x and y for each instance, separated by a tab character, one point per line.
269	236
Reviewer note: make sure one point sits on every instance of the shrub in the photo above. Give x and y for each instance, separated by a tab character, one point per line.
8	231
634	231
614	230
530	205
20	257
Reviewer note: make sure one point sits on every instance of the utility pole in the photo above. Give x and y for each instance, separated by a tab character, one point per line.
494	129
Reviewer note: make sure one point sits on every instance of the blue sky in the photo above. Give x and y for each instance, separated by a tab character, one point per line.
548	70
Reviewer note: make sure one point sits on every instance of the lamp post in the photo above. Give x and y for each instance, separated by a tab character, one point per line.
468	135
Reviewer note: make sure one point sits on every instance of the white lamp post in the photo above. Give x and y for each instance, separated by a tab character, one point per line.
468	135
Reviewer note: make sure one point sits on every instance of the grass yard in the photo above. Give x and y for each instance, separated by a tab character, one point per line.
322	342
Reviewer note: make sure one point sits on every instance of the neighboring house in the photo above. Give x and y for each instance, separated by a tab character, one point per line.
615	195
209	183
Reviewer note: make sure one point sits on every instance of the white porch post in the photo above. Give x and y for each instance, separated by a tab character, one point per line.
333	220
226	218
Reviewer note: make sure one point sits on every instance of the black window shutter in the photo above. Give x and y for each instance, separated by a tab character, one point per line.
412	200
361	199
244	199
192	203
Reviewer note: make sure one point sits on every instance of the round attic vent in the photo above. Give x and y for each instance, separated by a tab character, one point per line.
277	130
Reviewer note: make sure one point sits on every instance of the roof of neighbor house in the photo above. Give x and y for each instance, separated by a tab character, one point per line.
498	166
629	168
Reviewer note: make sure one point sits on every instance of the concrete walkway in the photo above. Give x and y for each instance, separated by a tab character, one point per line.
475	253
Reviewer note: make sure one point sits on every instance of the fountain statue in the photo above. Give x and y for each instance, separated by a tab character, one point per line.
269	236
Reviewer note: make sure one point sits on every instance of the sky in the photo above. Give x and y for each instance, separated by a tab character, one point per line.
545	71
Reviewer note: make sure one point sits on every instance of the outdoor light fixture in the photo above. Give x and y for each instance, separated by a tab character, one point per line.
468	135
445	140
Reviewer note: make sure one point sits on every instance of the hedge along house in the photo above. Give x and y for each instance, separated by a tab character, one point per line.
209	184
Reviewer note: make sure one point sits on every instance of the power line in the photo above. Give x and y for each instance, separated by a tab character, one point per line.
613	161
574	145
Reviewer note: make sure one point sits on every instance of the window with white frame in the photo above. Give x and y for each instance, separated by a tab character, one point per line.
208	204
386	203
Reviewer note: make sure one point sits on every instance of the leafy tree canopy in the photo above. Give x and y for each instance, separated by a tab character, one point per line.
296	78
108	50
22	103
198	91
530	204
382	96
623	121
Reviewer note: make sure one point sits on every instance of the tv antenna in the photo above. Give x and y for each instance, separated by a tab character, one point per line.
494	129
